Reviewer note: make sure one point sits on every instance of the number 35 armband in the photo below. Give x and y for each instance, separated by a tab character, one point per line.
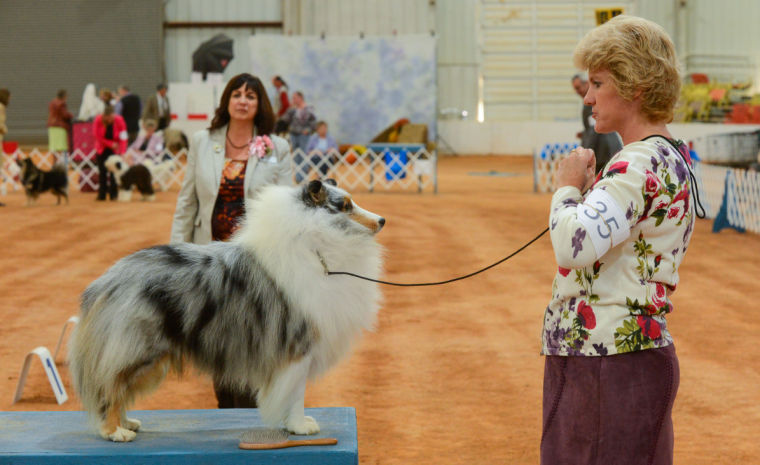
604	220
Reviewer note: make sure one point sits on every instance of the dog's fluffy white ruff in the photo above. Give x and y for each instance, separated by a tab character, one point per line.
287	243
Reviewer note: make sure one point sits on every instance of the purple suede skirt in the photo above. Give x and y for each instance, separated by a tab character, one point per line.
610	410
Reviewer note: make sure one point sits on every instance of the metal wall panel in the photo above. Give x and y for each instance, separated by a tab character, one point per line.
48	45
527	56
180	43
348	17
662	13
724	27
223	10
724	40
458	51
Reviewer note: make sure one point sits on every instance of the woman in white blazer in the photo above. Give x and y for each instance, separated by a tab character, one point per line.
244	114
230	162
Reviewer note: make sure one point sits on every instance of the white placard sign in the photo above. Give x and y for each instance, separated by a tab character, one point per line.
50	369
71	321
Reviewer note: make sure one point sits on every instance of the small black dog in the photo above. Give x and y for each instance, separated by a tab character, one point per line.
36	181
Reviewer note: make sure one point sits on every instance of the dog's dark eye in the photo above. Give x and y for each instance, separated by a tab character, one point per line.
347	205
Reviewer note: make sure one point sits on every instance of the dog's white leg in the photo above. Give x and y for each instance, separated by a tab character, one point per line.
297	422
132	424
282	400
125	195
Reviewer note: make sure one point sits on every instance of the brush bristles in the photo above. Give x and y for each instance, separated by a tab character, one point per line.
264	436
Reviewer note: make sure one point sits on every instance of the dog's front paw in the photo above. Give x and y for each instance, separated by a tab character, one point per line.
132	424
306	425
119	435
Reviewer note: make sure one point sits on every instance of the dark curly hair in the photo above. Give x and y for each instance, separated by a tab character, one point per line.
264	118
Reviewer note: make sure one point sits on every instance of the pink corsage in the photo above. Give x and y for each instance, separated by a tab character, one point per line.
261	146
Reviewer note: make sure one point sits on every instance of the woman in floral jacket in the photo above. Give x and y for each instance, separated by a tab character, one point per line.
611	371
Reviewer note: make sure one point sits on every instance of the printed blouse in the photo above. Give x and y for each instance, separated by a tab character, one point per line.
618	250
230	202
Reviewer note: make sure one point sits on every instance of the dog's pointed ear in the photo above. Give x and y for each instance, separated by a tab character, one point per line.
331	182
314	193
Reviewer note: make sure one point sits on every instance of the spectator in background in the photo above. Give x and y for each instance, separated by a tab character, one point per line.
282	96
209	205
157	108
106	96
110	138
59	123
91	105
603	145
301	121
129	107
5	97
148	145
321	149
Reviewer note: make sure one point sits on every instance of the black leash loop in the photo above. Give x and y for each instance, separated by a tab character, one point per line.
693	186
438	283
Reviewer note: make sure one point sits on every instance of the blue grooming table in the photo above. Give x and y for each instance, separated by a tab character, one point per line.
169	437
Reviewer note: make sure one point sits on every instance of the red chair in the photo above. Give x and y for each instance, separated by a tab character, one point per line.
699	78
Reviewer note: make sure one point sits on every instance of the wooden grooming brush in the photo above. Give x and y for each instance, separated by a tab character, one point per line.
267	438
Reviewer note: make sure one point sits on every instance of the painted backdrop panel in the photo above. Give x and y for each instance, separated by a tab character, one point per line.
359	86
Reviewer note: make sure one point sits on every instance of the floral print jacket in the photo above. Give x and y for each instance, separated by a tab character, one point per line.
618	250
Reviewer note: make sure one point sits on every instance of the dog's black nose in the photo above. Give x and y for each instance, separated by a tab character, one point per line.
381	222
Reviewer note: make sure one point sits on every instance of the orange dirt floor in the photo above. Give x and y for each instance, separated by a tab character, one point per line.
452	374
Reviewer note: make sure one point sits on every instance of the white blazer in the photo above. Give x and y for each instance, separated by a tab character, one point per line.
203	175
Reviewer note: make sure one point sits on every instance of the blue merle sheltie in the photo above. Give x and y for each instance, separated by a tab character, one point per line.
258	312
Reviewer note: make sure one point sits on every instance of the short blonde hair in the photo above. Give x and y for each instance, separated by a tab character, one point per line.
639	56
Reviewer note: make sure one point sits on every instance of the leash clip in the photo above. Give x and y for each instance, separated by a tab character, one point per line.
322	261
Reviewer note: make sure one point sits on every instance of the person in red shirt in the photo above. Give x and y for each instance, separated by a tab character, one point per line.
110	138
283	103
282	96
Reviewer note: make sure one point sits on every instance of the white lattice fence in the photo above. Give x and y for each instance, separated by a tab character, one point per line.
711	181
83	168
545	164
353	170
370	170
738	188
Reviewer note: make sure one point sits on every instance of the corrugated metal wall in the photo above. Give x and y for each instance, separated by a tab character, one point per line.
527	57
48	45
348	17
458	56
723	39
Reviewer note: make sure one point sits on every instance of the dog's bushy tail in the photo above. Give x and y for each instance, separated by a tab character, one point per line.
60	173
82	361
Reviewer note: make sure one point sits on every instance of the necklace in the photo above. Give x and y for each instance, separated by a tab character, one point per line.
237	146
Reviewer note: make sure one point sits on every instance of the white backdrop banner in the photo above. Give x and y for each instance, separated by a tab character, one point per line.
358	86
